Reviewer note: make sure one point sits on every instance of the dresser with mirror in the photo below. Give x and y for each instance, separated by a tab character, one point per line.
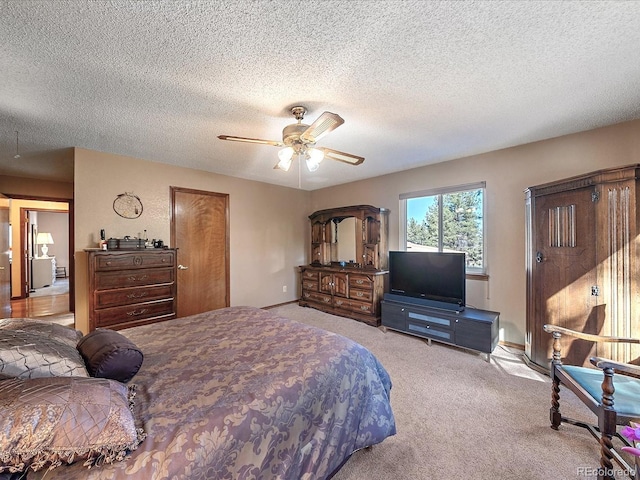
348	273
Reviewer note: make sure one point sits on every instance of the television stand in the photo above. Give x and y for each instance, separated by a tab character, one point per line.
470	328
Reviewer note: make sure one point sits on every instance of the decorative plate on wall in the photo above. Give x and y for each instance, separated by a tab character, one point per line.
127	205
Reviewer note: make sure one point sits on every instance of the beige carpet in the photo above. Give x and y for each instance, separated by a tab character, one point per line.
460	417
60	287
66	319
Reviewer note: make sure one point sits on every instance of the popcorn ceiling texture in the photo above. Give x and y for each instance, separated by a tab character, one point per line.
417	82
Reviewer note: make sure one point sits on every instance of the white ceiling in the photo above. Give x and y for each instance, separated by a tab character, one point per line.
417	82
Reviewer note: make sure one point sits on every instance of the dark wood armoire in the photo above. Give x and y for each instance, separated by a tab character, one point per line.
582	264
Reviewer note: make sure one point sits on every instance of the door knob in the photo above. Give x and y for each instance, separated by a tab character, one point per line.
182	267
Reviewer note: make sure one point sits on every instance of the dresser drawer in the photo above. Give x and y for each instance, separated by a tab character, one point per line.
310	275
360	281
361	307
127	296
318	297
311	285
115	261
342	303
133	278
113	316
359	294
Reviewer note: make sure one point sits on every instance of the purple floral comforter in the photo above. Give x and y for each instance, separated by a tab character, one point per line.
241	393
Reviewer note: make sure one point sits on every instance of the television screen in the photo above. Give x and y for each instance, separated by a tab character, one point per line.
436	276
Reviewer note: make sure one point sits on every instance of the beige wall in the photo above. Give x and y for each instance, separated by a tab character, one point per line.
57	224
507	174
268	224
34	188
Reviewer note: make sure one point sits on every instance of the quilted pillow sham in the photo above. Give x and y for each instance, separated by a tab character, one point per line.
26	354
67	335
57	420
109	354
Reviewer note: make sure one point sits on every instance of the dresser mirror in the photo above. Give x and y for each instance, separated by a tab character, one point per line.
343	240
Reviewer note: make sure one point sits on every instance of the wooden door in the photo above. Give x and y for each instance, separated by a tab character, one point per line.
5	276
200	232
564	272
340	285
326	282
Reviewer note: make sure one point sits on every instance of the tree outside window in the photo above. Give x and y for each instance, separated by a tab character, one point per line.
449	221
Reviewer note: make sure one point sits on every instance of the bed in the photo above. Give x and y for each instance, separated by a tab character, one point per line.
242	393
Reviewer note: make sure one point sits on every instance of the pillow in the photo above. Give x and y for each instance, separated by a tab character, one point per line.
29	355
58	332
56	420
109	354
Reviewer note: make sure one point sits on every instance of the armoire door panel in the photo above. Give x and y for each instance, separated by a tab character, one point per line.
566	270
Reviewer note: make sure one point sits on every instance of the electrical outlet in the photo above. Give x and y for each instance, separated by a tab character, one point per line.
284	289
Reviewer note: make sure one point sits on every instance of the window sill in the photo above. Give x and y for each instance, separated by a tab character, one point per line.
483	277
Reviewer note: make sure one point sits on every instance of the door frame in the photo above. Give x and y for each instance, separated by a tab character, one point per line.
70	212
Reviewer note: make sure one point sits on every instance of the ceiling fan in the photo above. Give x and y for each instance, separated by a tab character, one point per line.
299	140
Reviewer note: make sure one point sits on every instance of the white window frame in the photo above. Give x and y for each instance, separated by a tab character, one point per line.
441	191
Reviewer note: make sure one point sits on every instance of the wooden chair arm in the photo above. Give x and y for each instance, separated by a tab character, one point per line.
588	336
628	368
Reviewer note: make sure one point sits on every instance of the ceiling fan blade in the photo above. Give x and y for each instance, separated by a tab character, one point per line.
275	143
324	124
341	156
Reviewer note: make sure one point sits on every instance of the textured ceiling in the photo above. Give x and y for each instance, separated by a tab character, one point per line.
417	82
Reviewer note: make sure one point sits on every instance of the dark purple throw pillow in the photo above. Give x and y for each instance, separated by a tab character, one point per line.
109	354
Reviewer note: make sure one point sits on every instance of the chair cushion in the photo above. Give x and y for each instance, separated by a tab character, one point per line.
627	389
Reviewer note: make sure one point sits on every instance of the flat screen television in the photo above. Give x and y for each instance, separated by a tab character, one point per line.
435	279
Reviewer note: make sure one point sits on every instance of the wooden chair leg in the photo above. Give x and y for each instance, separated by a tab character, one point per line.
554	411
556	359
607	425
606	458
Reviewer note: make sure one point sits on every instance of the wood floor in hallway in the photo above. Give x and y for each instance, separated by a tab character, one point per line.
40	306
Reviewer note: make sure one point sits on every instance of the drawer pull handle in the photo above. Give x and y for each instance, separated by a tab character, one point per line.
327	300
133	278
182	267
360	294
108	263
135	313
359	282
137	295
364	307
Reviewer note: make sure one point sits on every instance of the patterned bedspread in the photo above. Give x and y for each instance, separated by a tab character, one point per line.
241	393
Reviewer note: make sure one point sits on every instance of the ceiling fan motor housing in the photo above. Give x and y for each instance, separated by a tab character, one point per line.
291	135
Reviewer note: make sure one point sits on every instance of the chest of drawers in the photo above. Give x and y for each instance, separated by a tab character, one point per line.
353	293
131	287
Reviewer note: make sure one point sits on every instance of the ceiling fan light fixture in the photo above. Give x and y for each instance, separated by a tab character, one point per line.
314	157
286	156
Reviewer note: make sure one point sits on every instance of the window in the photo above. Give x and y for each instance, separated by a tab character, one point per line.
446	220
